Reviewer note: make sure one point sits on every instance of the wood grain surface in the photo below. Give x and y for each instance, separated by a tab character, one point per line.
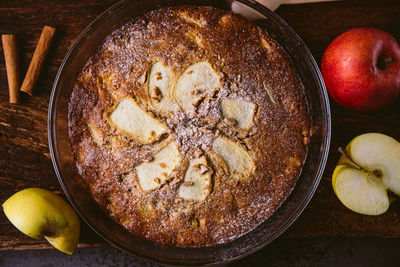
24	154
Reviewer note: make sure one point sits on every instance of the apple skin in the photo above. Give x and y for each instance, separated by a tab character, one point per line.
361	69
40	213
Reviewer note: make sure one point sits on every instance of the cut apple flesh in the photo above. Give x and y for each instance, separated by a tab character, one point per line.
360	191
240	163
195	81
153	174
240	110
160	79
130	118
197	182
378	153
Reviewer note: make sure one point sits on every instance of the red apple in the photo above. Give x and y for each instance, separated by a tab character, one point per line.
361	69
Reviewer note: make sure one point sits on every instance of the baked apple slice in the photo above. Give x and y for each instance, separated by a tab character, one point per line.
242	111
154	173
194	83
161	79
197	181
136	122
238	160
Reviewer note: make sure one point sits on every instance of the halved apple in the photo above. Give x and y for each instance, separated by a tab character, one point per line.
40	213
369	167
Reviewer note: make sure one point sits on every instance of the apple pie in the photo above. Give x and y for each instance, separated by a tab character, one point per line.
189	126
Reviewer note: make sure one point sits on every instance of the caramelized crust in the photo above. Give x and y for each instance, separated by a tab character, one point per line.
230	126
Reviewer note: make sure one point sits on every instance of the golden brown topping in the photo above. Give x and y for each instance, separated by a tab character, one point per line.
162	165
143	78
149	159
158	76
195	92
188	183
157	180
230	121
198	153
196	167
270	95
240	176
196	222
306	140
253	131
203	169
233	182
224	20
156	94
197	102
265	44
294	161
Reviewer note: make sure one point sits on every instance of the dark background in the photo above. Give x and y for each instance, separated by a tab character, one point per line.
306	252
326	234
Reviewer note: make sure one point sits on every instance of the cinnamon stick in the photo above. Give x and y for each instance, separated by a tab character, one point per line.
12	65
42	48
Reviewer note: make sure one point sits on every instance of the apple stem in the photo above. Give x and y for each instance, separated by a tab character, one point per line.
341	150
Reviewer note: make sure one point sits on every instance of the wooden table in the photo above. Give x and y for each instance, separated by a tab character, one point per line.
24	154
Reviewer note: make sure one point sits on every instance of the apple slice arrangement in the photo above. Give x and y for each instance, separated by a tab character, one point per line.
361	69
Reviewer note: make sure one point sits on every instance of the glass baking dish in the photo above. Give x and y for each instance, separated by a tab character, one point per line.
91	38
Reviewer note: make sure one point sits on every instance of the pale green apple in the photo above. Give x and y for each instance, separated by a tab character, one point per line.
40	213
370	167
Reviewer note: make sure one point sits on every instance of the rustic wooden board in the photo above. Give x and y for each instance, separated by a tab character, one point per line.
24	155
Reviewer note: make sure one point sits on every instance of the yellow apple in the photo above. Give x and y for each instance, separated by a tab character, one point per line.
40	213
367	169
